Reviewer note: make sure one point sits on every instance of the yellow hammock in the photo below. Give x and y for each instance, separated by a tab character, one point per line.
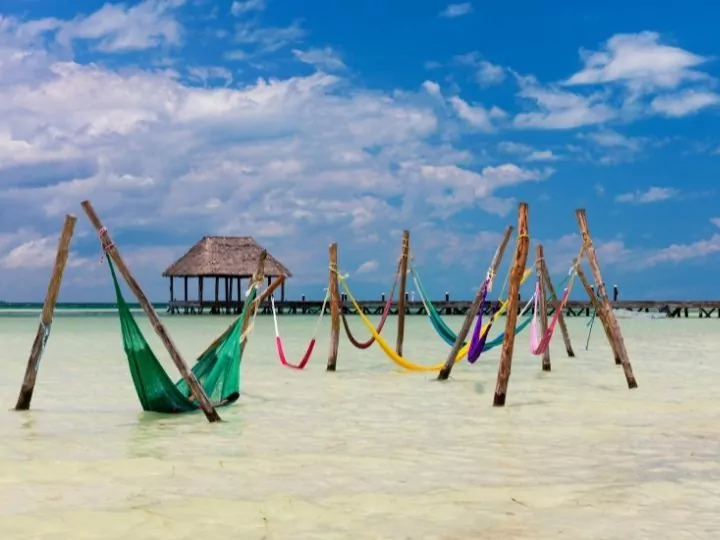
404	362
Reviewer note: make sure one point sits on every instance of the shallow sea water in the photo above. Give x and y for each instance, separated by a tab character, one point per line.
369	451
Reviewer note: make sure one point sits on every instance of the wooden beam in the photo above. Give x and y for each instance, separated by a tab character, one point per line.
334	309
542	304
404	255
561	317
474	307
189	377
46	318
598	312
605	305
516	274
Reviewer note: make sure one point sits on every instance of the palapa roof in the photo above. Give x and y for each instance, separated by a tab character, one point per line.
232	256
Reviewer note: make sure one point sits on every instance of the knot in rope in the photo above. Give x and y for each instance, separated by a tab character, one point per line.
105	247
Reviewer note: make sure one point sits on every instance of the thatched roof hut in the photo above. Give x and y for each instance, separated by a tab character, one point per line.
224	256
227	258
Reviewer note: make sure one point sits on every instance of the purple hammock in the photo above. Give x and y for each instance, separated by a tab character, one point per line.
477	341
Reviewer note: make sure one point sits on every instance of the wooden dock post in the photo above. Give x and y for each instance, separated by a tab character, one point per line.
516	275
46	318
402	300
474	308
604	301
112	252
542	304
561	317
599	313
334	309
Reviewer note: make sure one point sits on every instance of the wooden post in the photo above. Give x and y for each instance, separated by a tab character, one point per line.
257	278
474	308
599	313
334	309
542	304
561	317
604	301
43	331
190	378
259	299
516	275
404	254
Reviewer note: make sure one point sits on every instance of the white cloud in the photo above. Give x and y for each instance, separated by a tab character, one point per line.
116	27
205	74
542	155
715	221
489	74
297	161
476	115
326	58
456	10
640	61
651	195
368	267
676	253
560	109
239	8
269	39
684	103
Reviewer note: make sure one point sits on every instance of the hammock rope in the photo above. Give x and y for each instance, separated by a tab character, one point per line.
311	345
390	352
362	345
539	345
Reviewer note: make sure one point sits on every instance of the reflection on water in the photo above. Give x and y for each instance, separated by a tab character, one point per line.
365	453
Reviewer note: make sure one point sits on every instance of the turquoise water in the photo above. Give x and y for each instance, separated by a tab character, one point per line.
371	451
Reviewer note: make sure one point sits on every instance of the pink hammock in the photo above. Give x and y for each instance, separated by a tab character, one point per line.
539	346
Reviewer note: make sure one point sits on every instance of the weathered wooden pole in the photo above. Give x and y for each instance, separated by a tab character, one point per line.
542	304
599	313
255	304
112	252
516	274
46	318
474	308
561	317
604	301
257	279
334	309
404	255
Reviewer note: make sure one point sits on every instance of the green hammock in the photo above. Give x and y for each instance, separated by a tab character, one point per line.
217	370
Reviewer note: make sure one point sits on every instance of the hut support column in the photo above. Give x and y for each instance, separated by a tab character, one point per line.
542	304
334	309
216	305
475	307
516	274
190	378
185	288
401	294
604	301
43	331
561	316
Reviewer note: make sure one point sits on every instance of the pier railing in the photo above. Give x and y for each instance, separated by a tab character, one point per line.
673	308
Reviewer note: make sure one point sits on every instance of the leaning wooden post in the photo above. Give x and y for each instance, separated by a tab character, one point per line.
598	313
112	252
561	317
605	305
542	304
43	331
404	255
334	309
516	275
257	278
475	307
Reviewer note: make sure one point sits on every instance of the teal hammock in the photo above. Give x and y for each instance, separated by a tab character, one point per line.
217	370
446	333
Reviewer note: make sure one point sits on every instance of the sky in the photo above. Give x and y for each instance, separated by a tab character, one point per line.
306	123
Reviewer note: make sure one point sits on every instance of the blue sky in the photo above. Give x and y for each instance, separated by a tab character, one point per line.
303	123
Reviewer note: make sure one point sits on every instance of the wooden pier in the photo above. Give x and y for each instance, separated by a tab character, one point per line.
703	309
